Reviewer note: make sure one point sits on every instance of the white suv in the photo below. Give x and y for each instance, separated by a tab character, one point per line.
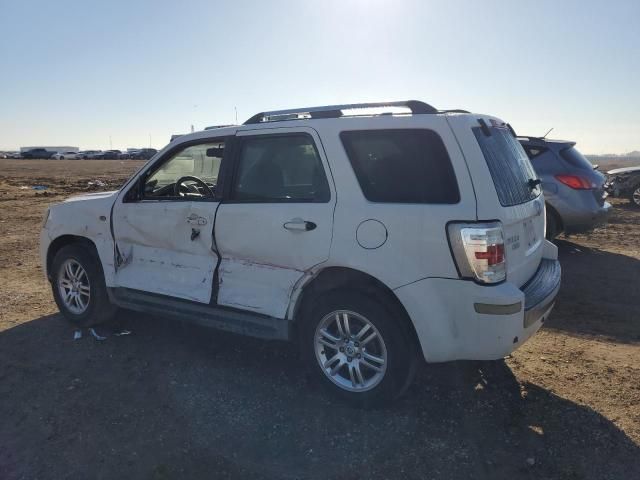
371	234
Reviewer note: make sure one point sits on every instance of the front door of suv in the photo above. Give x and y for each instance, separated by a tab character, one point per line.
163	224
276	220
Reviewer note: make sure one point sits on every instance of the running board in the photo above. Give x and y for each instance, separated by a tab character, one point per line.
230	320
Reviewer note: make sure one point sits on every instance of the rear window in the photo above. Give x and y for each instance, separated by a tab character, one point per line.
401	166
575	158
509	165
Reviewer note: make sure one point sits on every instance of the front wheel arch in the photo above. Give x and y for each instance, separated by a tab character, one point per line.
65	240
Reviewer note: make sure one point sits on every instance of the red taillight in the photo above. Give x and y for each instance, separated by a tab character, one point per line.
494	254
576	182
478	250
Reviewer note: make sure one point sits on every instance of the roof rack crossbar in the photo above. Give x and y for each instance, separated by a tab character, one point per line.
335	111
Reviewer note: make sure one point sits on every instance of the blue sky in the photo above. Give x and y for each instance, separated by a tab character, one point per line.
79	72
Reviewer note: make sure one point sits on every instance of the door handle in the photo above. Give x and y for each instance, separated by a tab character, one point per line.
299	225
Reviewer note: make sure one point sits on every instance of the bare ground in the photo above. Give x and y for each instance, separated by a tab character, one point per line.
177	401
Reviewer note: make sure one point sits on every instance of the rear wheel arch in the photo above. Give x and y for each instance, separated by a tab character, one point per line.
343	278
558	219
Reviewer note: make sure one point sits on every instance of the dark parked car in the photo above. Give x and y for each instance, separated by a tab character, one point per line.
143	153
573	189
625	182
111	154
37	153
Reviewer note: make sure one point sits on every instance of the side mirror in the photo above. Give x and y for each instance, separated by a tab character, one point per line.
215	152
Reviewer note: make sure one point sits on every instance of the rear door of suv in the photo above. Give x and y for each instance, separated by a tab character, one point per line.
276	219
507	189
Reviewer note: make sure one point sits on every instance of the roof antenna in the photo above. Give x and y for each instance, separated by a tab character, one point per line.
545	135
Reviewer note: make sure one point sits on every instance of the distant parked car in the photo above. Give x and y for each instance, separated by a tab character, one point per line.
37	153
111	154
86	154
625	182
14	155
124	156
66	156
96	155
573	189
143	153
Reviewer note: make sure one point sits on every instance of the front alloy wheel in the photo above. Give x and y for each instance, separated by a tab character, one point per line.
74	287
350	351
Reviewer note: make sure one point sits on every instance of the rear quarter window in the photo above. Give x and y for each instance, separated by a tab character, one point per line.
402	166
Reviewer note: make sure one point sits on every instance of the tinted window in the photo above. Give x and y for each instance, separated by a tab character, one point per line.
509	165
280	168
401	166
575	158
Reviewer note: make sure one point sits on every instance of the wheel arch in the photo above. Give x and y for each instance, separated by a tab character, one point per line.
344	278
63	241
551	209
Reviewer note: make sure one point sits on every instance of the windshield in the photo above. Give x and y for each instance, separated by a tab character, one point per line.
575	158
509	165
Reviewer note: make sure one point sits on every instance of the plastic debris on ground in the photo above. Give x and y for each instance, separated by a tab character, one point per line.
120	332
95	335
97	183
39	187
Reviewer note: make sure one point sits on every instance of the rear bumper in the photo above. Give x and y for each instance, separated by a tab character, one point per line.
461	320
579	221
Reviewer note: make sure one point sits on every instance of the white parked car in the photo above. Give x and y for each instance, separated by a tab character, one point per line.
66	155
373	235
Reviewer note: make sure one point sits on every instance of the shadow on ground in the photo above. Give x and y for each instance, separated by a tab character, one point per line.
178	401
600	293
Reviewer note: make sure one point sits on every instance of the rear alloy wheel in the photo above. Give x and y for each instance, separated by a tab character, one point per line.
359	347
351	351
635	196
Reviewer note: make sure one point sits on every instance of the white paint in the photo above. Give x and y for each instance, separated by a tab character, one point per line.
263	265
262	260
155	239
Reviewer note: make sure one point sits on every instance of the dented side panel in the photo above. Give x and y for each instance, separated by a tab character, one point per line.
256	287
166	247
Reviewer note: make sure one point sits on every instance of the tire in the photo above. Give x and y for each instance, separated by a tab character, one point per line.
553	225
634	196
392	342
61	158
93	292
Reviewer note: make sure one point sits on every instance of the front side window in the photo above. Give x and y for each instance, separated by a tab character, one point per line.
192	173
402	166
279	168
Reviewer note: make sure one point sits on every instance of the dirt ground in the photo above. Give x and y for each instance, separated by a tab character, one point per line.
173	401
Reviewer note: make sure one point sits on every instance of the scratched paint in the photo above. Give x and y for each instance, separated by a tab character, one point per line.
260	288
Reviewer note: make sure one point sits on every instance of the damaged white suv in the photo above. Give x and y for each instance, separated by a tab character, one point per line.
371	234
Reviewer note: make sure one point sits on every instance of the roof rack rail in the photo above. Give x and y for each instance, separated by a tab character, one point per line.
213	127
335	111
454	110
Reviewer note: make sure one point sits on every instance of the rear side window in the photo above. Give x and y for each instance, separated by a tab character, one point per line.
280	168
575	158
509	165
401	166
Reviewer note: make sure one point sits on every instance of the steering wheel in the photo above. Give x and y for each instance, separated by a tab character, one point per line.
181	180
